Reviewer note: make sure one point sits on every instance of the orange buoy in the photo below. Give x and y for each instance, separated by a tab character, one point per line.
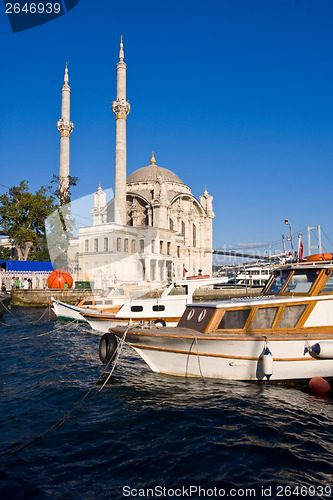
319	256
319	385
59	278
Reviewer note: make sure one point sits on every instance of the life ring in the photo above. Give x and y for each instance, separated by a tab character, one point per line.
320	256
107	348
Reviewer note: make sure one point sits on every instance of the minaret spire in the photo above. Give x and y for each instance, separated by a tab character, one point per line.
65	127
121	108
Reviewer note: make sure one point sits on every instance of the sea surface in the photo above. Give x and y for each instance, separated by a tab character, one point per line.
146	435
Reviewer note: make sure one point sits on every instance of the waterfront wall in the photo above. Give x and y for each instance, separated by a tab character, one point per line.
41	298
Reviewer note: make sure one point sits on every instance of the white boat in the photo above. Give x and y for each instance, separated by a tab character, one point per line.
255	276
162	310
286	334
110	301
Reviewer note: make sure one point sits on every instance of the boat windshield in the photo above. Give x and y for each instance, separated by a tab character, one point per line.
278	280
300	282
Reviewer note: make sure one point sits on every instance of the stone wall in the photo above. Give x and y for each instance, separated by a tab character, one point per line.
41	298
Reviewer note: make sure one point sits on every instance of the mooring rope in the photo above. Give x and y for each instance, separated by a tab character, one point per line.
19	324
198	355
5	307
21	446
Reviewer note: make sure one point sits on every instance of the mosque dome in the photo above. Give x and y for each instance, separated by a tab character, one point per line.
152	173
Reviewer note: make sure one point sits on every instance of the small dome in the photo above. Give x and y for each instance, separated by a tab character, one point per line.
151	173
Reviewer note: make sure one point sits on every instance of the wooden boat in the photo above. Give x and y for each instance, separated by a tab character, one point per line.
164	309
286	333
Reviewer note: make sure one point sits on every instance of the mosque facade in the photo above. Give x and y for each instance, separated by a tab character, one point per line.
154	229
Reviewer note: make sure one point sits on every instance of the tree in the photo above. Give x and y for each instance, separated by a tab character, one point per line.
63	188
23	214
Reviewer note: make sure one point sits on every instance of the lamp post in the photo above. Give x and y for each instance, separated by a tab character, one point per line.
291	236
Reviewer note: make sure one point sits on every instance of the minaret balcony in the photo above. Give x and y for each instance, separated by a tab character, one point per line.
121	108
65	127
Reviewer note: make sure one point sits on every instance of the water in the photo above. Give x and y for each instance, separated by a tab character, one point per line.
147	435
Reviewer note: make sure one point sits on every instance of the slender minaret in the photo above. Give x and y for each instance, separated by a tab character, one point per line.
121	108
65	127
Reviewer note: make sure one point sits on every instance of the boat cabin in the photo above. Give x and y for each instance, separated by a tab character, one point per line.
298	298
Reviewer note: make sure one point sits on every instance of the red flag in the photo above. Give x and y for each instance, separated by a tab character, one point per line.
184	271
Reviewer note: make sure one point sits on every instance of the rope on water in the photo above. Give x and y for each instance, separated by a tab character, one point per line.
48	308
21	446
6	308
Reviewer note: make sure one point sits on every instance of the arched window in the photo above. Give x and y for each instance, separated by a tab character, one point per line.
194	235
183	228
95	245
171	224
106	245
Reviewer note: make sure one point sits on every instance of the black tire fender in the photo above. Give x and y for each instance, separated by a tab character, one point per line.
107	348
159	323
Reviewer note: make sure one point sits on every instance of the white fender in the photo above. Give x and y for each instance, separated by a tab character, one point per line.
267	362
323	349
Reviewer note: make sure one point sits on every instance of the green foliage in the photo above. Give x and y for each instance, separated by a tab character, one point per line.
23	214
5	253
63	188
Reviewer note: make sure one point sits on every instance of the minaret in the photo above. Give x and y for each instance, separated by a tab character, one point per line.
65	127
121	108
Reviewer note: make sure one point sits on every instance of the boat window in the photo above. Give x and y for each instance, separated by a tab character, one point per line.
98	302
264	318
301	281
202	315
179	290
136	308
159	308
275	286
234	319
329	285
108	301
87	303
190	314
291	315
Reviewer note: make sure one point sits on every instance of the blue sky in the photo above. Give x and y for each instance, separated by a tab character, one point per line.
232	95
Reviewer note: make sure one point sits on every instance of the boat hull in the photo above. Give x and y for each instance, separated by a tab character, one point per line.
67	311
223	357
